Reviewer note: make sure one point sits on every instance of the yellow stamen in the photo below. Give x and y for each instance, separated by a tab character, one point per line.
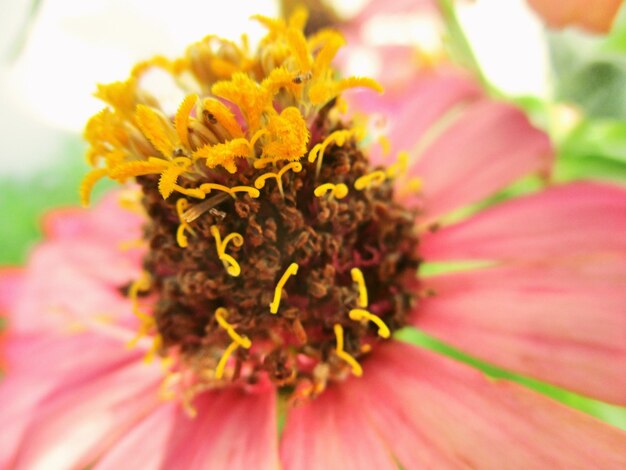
358	314
247	94
181	120
400	165
356	367
219	370
375	178
292	270
338	190
207	187
181	206
323	91
339	138
138	168
141	284
220	315
260	181
357	276
230	263
191	192
333	42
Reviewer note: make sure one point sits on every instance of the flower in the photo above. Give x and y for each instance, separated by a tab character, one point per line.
277	261
595	17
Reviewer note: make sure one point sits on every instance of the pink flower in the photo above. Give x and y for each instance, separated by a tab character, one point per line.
545	299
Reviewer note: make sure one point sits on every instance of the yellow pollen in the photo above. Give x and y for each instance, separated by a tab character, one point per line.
356	367
357	276
230	263
375	178
400	165
337	190
219	370
260	181
358	314
292	270
220	315
181	206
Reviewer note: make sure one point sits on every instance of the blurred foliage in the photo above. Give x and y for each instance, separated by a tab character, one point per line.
24	199
614	415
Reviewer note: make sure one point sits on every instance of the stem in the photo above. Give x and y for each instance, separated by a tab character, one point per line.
460	46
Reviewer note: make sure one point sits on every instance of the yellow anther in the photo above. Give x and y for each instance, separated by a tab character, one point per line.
399	166
181	206
357	276
356	367
338	190
206	188
375	178
358	314
292	270
260	181
220	315
230	263
219	370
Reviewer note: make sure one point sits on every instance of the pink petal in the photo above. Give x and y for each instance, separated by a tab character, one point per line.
577	218
83	418
11	284
332	432
488	147
374	8
435	413
413	110
233	429
564	325
144	446
105	221
29	377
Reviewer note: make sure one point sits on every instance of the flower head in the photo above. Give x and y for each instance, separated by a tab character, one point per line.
278	256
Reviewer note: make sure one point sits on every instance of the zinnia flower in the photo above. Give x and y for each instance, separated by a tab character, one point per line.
278	259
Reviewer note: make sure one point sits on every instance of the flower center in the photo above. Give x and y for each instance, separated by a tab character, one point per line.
296	284
276	251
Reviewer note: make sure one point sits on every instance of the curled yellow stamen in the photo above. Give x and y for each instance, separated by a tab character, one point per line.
157	343
220	315
375	178
399	166
260	181
142	284
385	144
292	270
206	188
357	276
181	206
338	190
358	314
88	183
219	370
339	138
230	263
356	367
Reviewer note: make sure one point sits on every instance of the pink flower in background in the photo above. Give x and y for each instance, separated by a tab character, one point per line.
546	300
